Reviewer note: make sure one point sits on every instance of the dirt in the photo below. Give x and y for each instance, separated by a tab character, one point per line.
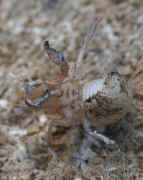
118	43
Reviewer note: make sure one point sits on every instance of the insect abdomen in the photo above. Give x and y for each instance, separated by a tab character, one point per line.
91	89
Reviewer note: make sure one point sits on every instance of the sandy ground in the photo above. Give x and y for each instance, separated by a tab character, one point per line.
24	25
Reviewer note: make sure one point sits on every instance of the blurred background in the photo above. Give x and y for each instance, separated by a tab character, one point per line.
24	25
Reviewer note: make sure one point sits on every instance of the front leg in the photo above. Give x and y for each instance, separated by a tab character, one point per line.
58	59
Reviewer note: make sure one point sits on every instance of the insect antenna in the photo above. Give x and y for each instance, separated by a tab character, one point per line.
87	40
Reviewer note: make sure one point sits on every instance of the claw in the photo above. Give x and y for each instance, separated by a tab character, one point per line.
28	89
58	59
56	56
31	85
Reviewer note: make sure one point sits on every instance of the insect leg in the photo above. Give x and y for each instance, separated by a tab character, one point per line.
95	134
31	85
58	59
101	137
28	88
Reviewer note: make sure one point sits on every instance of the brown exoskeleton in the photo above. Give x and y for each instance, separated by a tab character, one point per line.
98	103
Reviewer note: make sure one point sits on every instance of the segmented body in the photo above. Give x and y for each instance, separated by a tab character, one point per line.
100	102
106	100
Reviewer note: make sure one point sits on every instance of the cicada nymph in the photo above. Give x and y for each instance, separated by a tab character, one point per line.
98	103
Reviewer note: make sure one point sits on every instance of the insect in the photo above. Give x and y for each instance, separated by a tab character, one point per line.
98	103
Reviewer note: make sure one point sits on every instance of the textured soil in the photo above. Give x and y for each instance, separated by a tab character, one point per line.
24	25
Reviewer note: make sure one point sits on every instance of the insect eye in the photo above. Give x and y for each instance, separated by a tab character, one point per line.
46	44
47	91
114	73
88	100
62	59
